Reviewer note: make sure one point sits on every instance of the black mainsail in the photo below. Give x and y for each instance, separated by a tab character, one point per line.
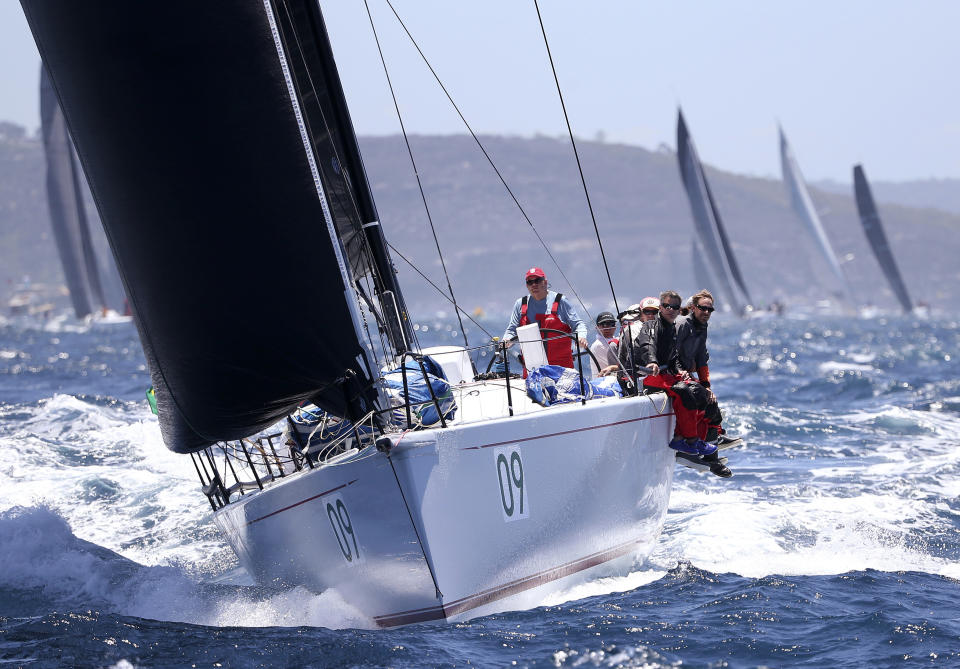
709	226
241	222
68	217
803	206
878	238
702	274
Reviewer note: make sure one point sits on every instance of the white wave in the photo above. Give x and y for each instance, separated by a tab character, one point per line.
604	586
106	471
834	366
290	608
40	552
852	507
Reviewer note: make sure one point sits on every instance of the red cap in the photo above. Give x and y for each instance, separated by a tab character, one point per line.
536	271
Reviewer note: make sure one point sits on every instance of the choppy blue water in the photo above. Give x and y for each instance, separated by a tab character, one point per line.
835	544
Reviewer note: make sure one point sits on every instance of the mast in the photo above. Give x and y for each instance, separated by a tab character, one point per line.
873	228
222	170
803	207
706	216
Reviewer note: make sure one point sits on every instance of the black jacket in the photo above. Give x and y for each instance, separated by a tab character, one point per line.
656	342
691	343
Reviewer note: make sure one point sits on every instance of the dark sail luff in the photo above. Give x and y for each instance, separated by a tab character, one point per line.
878	238
64	201
314	74
803	207
217	189
705	215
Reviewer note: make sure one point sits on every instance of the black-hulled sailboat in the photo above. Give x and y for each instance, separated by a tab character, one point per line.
221	154
708	224
873	228
803	207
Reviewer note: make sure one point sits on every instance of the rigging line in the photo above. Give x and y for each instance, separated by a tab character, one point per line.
437	288
576	153
489	159
416	173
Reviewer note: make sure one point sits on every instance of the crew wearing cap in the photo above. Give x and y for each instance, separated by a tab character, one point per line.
649	308
553	312
604	347
632	319
629	314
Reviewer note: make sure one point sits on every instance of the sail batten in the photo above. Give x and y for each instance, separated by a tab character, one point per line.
188	134
873	228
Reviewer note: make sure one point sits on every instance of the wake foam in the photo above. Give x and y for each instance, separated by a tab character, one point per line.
877	491
41	555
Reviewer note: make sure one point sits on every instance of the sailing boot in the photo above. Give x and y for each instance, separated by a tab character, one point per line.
725	439
703	448
717	467
684	446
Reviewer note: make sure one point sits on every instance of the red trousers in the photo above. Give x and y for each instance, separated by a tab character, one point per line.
690	422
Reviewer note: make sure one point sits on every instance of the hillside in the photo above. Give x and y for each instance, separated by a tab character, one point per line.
644	222
923	193
641	212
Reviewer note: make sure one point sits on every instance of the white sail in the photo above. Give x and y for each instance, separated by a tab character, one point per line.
803	206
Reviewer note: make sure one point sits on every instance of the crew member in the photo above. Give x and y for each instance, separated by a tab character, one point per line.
553	312
694	356
631	324
655	350
604	347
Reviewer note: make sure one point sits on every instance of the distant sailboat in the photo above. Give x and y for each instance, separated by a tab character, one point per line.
877	238
803	206
72	229
67	215
709	226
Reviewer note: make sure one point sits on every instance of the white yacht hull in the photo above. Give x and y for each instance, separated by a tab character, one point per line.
471	519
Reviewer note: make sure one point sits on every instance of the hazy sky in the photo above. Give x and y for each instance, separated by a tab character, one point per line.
869	81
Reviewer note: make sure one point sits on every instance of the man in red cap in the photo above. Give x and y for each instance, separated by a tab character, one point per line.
553	312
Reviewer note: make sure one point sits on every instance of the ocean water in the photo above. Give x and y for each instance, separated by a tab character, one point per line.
835	544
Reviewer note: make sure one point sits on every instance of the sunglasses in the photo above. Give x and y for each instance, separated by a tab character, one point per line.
608	324
651	312
709	310
533	282
675	307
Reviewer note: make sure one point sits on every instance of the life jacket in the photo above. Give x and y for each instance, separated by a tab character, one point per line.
557	347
